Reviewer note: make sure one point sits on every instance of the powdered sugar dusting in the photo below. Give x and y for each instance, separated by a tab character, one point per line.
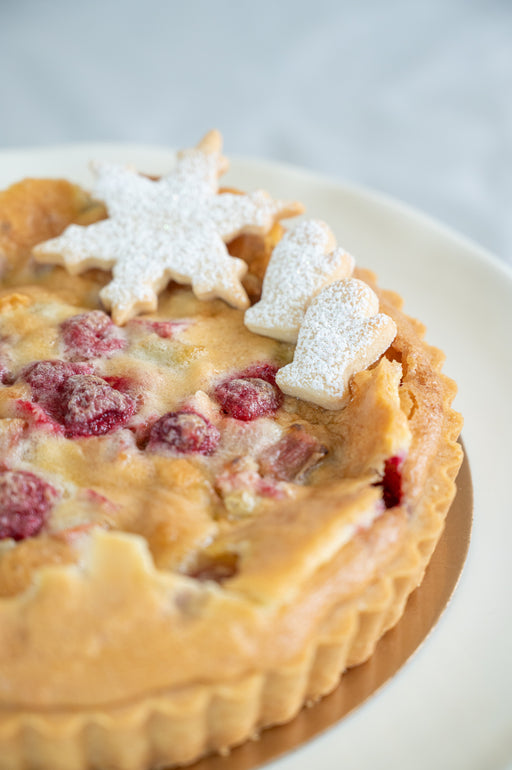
302	263
342	333
173	228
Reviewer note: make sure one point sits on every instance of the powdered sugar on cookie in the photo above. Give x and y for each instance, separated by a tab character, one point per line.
173	228
302	263
342	333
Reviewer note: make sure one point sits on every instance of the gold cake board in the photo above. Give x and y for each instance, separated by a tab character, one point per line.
424	607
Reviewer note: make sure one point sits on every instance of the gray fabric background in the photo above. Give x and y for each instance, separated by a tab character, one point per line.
410	98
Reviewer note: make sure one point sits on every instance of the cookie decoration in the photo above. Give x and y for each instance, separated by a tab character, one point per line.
342	333
173	228
304	261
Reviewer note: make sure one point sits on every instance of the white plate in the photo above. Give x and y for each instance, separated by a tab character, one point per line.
450	707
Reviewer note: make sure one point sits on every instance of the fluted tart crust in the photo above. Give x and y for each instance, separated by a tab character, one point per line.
173	599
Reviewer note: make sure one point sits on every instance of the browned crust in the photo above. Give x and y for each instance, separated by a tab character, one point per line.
37	209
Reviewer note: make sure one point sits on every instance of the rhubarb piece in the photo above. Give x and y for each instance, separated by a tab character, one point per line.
292	456
168	329
218	568
240	486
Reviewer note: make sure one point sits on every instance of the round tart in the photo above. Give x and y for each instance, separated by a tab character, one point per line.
188	551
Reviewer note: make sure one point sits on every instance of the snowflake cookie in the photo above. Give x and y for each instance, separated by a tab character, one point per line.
174	228
342	333
304	261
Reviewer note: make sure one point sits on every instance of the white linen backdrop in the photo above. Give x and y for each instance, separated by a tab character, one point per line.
410	98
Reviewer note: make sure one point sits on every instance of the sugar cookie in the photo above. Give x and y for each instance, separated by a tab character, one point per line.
342	333
172	228
302	263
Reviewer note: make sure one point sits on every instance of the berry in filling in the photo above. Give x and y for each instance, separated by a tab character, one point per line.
46	379
85	405
263	371
185	433
91	335
91	407
25	500
249	397
391	483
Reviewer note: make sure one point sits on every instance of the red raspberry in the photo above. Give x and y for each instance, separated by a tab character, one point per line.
71	395
185	433
391	483
46	378
246	398
91	407
36	416
25	500
91	335
261	370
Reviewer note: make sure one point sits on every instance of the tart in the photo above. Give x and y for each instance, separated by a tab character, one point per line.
189	552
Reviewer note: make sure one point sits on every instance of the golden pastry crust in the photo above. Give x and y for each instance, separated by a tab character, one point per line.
36	209
176	604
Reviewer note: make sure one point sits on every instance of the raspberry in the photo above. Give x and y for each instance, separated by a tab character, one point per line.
91	407
185	433
25	500
91	335
391	483
71	395
261	370
46	379
246	398
36	416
